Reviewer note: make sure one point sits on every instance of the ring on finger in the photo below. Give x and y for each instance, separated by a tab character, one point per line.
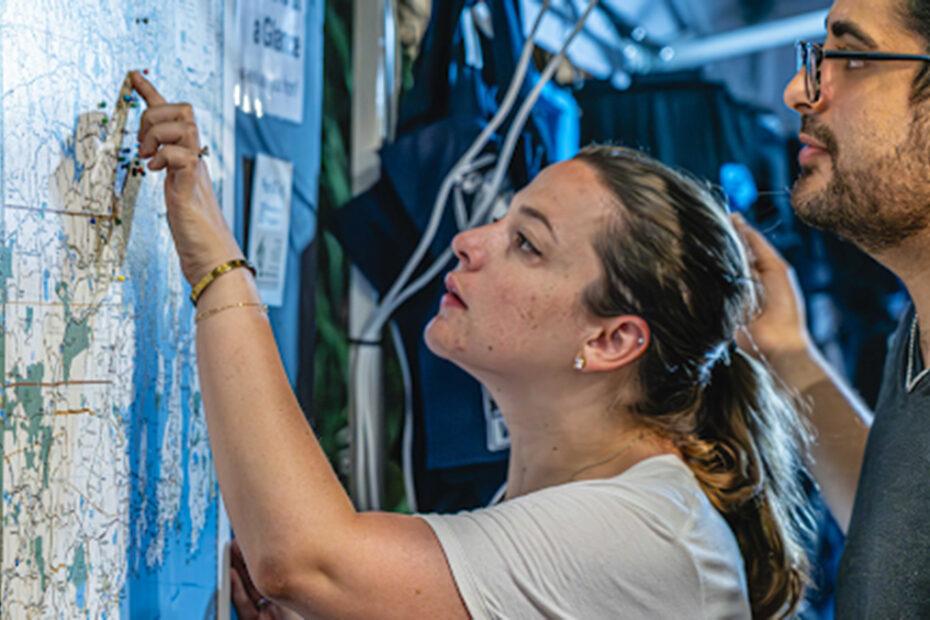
204	151
262	603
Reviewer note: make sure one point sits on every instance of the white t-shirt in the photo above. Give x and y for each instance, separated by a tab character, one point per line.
644	544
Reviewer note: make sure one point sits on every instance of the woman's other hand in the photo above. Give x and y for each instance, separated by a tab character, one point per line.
168	135
248	601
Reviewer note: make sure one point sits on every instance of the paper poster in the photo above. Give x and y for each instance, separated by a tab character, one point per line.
269	225
272	47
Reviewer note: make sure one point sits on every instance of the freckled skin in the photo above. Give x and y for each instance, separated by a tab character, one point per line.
524	308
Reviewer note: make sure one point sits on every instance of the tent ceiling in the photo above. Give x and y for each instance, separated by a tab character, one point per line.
630	35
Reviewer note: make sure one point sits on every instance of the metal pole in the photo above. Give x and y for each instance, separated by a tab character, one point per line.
697	53
375	59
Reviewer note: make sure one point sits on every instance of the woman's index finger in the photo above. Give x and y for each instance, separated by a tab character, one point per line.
146	90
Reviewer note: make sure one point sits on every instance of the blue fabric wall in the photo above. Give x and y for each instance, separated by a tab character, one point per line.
299	144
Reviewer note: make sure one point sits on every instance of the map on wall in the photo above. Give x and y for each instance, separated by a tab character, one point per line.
110	507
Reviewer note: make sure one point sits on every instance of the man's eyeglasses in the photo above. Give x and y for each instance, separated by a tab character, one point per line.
811	55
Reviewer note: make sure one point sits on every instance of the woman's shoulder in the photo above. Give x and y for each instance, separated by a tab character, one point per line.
657	497
649	520
662	485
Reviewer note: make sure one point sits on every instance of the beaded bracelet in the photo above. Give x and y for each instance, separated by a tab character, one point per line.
199	288
245	304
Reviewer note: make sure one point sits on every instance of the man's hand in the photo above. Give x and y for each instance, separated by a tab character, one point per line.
780	329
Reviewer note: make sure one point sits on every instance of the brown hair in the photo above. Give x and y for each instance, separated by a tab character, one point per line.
672	257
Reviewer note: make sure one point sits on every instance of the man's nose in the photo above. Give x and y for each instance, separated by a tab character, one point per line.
795	95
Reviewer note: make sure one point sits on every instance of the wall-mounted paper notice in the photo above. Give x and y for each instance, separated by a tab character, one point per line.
272	42
270	225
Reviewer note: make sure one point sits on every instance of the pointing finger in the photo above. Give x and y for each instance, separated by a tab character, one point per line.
145	88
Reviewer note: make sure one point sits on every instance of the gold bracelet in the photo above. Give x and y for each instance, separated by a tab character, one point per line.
245	304
199	288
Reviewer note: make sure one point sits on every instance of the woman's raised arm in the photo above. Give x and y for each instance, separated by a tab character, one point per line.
305	544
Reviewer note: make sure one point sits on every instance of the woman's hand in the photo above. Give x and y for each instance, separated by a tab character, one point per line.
248	601
168	134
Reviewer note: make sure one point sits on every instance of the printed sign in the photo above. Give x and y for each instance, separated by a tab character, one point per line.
270	224
271	72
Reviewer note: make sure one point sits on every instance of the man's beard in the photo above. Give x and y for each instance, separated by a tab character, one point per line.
878	204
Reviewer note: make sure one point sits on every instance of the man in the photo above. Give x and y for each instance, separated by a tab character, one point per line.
866	177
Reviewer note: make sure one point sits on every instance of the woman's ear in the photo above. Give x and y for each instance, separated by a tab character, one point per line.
621	341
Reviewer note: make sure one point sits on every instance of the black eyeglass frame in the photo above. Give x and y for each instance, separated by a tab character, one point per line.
813	53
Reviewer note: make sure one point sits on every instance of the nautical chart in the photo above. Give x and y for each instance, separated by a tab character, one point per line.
109	501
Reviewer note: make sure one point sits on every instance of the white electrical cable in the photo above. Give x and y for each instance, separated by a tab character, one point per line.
487	200
461	214
522	115
406	448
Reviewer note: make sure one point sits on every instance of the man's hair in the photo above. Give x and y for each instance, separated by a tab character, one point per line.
916	15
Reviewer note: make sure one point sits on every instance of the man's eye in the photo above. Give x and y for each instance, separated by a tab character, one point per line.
524	244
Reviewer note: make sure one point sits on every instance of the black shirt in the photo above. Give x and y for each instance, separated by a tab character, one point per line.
885	569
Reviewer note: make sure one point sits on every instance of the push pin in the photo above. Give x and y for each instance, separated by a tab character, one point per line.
104	120
93	220
204	151
127	97
134	104
119	221
145	72
121	278
102	104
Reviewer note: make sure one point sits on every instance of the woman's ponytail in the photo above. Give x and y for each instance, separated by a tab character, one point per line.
672	257
737	453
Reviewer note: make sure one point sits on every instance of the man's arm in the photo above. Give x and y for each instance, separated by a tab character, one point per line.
779	335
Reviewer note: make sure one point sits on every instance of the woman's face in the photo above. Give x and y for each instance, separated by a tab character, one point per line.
514	303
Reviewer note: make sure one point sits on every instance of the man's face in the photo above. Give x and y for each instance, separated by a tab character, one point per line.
865	169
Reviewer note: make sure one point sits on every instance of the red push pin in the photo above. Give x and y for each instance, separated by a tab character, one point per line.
145	72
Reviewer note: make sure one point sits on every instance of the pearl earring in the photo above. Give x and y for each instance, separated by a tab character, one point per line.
579	363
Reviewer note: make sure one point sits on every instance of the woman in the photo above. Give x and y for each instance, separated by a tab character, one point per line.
653	466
